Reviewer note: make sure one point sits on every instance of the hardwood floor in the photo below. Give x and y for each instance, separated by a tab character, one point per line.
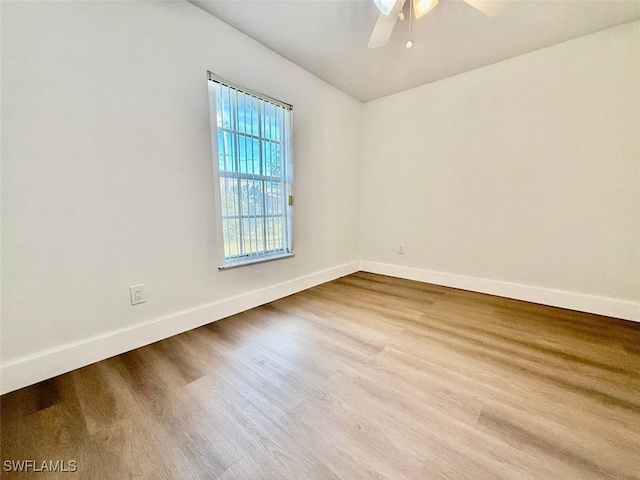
364	377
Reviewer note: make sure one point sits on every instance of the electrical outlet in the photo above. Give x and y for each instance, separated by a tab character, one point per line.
401	248
137	294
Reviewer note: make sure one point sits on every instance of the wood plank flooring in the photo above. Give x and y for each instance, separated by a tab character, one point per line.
366	377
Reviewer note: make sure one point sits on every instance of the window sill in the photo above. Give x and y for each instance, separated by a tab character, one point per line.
257	260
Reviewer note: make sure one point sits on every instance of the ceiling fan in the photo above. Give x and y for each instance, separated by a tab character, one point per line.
391	12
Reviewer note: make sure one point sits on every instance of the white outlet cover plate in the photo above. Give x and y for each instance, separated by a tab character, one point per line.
137	294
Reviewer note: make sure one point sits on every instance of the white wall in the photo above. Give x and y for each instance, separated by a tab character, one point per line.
107	179
521	174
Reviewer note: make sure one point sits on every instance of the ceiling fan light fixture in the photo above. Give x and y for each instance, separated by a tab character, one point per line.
385	6
420	7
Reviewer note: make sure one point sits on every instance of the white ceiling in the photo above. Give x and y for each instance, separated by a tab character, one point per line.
329	38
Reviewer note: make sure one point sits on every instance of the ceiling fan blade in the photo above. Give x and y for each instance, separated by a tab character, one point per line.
384	27
489	7
382	31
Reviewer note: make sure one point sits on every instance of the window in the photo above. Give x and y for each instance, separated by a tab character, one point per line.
251	137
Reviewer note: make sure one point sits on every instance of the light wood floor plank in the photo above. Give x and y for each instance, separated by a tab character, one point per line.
365	377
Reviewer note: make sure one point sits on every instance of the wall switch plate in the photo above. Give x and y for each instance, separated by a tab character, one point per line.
137	294
401	248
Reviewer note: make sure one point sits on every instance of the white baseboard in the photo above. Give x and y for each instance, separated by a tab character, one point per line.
32	369
29	370
610	307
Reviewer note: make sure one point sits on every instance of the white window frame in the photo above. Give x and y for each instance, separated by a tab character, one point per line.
287	177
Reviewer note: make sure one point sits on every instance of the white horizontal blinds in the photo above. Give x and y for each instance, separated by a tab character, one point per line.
252	163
